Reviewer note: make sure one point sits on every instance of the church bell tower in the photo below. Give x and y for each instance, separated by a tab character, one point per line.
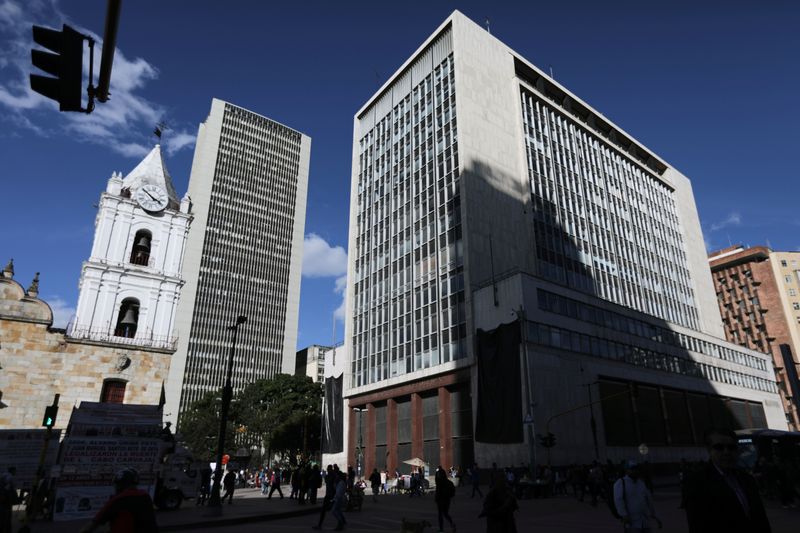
130	285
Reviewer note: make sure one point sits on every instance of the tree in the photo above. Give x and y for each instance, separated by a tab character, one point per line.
283	413
199	426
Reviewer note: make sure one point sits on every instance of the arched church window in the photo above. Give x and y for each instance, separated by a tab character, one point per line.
140	255
128	318
113	391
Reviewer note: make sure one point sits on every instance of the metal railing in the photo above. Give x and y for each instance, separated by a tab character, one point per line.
144	337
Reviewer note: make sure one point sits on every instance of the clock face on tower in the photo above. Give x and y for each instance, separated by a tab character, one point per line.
151	197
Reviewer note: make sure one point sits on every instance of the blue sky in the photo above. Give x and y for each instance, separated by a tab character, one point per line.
710	86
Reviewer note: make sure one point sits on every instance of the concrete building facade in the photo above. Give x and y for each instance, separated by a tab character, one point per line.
248	186
483	193
311	362
758	291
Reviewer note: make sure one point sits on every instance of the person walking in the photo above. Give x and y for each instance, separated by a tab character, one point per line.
384	482
229	482
498	508
634	502
596	479
129	510
720	497
8	498
275	483
331	478
475	477
314	483
205	485
445	490
375	483
338	502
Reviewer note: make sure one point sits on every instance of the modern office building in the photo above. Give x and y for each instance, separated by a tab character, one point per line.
311	362
758	292
243	257
485	193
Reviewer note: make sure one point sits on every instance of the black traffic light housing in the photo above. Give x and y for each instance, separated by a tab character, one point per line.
64	61
50	414
547	441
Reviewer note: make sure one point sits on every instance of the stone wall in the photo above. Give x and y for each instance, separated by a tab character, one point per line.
38	361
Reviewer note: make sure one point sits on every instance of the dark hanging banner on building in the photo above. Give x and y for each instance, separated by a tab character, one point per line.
499	416
333	441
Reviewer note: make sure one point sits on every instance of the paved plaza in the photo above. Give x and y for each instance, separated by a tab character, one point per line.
251	513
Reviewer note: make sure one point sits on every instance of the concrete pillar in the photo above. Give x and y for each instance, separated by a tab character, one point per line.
445	429
368	419
416	426
391	435
352	438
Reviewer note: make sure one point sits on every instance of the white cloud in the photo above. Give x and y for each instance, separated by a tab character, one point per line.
321	260
62	311
733	219
341	288
123	124
175	143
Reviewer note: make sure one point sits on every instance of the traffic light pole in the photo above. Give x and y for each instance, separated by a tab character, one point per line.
109	45
37	496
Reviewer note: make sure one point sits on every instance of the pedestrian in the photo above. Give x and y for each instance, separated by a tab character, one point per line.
375	483
229	482
314	483
595	480
302	489
720	497
339	501
445	490
331	478
205	485
275	483
634	502
8	498
498	508
475	477
494	476
295	483
129	510
263	478
384	481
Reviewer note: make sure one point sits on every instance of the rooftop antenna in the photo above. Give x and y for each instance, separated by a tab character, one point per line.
551	71
488	30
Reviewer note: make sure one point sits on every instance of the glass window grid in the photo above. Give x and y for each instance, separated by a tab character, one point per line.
581	186
573	341
561	305
409	297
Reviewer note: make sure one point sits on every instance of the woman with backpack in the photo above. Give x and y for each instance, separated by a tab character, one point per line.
445	490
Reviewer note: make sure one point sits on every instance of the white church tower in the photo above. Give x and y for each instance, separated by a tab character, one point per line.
130	286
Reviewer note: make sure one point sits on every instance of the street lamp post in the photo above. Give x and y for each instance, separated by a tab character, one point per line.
227	394
360	454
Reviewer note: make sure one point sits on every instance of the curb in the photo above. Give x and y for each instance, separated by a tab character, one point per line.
236	520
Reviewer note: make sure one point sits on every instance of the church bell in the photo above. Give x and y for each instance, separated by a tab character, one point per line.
129	319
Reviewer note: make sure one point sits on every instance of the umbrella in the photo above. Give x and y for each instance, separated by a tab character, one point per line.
416	461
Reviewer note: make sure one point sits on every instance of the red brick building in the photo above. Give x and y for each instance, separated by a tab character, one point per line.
757	290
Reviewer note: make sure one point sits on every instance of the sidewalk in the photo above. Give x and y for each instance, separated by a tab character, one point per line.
249	505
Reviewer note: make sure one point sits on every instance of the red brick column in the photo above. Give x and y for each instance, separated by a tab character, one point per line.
352	437
368	420
391	435
445	429
416	425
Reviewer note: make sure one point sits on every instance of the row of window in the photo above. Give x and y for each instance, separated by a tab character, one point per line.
607	349
561	305
604	225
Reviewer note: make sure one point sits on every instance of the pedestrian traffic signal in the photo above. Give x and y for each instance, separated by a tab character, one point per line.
65	63
50	413
547	441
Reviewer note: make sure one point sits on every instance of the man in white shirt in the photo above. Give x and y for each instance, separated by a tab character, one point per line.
634	502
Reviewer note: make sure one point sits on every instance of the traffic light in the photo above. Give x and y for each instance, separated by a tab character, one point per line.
65	62
547	441
50	413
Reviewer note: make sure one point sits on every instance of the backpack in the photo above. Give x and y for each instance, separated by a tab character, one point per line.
612	504
449	489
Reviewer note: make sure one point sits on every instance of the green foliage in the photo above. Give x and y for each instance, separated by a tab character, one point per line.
199	426
281	414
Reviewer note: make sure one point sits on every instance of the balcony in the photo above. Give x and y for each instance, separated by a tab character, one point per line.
144	337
